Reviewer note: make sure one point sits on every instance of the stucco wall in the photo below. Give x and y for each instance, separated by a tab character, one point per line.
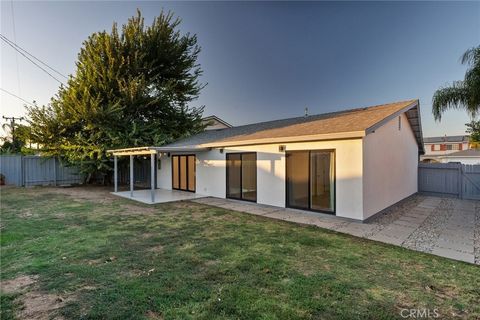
211	173
390	166
164	173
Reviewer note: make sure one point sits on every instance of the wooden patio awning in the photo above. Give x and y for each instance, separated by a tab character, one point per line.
137	151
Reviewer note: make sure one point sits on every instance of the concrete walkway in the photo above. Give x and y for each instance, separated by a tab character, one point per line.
441	226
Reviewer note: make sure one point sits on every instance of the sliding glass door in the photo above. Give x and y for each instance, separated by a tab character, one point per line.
183	172
242	176
310	180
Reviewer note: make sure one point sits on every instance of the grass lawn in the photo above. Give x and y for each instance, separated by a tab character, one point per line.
113	258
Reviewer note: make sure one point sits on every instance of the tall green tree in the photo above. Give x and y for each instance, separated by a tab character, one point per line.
132	87
473	128
463	94
18	143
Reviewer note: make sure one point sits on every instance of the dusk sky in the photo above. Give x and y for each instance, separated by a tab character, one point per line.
268	60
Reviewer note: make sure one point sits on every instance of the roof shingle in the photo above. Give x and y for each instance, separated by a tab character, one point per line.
353	120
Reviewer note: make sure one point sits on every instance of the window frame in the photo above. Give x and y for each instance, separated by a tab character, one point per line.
227	184
334	211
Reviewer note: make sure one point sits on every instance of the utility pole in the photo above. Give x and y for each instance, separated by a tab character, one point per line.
12	124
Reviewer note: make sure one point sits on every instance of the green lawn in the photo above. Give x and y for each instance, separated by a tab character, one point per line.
115	258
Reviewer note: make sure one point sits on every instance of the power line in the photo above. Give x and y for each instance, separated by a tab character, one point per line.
4	38
15	39
12	124
23	54
14	95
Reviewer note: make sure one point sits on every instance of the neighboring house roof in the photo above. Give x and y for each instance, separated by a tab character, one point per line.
446	139
214	118
464	153
335	125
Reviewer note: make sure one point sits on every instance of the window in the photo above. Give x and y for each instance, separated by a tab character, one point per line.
436	147
242	176
183	172
310	180
455	146
449	147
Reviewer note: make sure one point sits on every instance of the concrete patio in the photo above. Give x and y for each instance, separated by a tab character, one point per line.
160	195
441	226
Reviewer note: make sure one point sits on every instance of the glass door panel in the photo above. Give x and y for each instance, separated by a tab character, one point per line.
298	179
321	180
234	175
249	176
183	172
175	172
310	180
191	173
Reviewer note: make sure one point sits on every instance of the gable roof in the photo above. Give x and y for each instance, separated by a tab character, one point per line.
446	139
214	118
464	153
352	123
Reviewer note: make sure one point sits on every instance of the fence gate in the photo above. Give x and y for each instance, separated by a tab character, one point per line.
450	179
471	182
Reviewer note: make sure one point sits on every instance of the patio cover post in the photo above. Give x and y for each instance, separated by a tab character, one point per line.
152	176
115	173
131	176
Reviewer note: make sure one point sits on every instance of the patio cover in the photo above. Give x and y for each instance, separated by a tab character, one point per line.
143	151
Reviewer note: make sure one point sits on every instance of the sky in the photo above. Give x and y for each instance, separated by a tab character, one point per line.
267	60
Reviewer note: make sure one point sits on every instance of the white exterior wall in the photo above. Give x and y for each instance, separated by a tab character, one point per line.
164	172
211	173
390	164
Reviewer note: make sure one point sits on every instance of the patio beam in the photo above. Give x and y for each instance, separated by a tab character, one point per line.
152	176
134	153
131	176
115	172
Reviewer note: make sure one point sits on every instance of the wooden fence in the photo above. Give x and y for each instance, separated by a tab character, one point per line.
449	179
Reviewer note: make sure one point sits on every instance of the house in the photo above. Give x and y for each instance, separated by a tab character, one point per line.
351	164
470	156
436	147
213	123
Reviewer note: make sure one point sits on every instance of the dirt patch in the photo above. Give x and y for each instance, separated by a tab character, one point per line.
18	284
156	249
38	306
26	214
94	193
153	315
131	209
95	262
147	235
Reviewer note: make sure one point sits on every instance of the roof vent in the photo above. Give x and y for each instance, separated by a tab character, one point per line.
306	112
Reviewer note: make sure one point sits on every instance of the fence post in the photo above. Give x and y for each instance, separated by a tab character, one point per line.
54	172
115	173
131	176
22	173
460	181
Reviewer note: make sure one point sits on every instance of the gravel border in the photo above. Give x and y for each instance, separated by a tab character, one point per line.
393	213
426	235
